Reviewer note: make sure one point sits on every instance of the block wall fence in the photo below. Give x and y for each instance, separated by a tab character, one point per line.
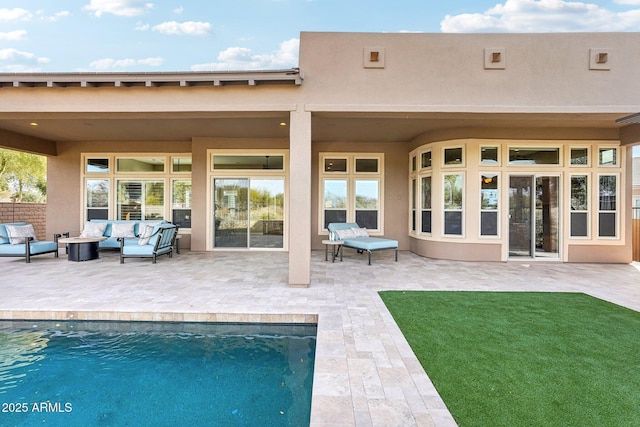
31	213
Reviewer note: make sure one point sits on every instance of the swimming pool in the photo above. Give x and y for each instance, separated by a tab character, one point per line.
155	373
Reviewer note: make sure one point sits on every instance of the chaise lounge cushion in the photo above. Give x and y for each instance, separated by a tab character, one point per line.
370	243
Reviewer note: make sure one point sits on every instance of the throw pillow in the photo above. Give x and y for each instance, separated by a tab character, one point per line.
18	233
147	232
344	234
93	229
360	232
143	224
122	229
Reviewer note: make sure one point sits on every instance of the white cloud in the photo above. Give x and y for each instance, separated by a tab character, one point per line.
14	35
140	26
178	10
118	7
14	14
110	63
629	2
242	58
189	28
543	16
56	16
18	61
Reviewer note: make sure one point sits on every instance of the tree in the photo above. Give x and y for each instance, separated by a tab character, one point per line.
23	176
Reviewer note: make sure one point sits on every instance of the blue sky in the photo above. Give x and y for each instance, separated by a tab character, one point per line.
204	35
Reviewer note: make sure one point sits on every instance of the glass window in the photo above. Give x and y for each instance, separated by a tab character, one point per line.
335	165
97	166
453	204
140	165
607	205
579	156
579	206
608	157
534	156
426	160
413	163
354	195
489	204
366	203
248	162
413	204
489	156
181	164
140	200
367	165
453	156
426	204
181	202
97	199
335	201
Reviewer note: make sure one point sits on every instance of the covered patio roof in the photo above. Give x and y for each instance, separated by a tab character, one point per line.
38	127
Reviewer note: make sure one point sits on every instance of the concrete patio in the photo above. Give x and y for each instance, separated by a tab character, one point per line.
365	372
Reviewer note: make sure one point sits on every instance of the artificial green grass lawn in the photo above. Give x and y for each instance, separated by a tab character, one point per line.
525	359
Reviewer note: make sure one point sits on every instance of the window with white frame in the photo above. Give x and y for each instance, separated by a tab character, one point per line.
413	196
425	199
607	205
140	199
608	156
351	189
579	206
489	200
135	187
579	156
453	197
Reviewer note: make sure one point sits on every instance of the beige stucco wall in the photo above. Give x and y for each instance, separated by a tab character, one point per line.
445	72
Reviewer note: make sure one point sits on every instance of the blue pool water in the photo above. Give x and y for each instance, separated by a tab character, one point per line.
155	374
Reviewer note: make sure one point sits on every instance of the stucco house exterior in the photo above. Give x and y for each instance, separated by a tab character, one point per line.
485	147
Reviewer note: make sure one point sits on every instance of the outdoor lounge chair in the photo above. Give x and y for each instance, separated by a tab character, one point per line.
358	238
159	240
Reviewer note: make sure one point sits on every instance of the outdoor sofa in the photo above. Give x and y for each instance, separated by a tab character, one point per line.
18	239
130	230
355	237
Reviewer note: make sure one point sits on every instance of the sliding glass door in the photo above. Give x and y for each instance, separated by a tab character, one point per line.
248	212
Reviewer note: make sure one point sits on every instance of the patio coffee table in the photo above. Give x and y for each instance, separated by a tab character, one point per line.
82	248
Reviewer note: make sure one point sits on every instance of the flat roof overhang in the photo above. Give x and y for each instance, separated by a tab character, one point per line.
184	79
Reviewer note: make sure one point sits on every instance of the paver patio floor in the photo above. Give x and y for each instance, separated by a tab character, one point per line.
365	372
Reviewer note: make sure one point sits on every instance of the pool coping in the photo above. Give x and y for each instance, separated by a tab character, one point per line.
163	316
